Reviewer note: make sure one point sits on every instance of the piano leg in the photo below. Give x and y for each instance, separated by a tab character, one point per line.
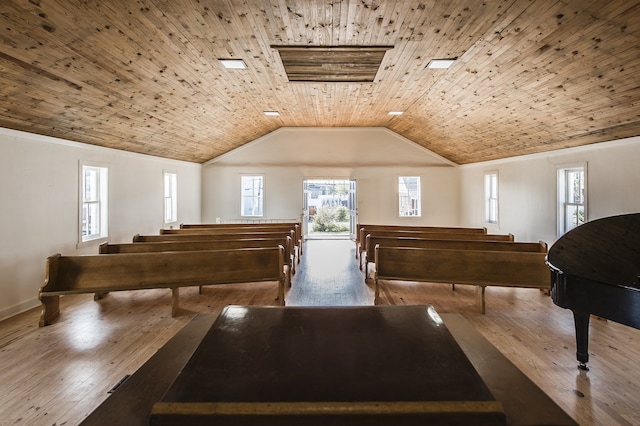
581	321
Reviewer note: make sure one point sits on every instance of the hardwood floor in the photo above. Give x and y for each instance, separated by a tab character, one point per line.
57	375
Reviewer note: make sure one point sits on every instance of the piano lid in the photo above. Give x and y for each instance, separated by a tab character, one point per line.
605	250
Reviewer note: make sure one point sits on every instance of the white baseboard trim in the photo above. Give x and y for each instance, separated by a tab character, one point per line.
18	309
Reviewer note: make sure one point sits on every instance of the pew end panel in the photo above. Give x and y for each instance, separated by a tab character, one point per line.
50	304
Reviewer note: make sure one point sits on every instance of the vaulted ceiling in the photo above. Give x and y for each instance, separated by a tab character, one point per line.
144	75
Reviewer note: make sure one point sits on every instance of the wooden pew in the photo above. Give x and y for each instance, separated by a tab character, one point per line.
212	237
296	226
231	244
362	229
385	241
432	236
238	231
475	267
101	274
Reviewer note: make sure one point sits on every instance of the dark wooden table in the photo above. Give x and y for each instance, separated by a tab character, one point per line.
346	365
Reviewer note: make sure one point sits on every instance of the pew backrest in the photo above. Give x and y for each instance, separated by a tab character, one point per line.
210	237
442	235
501	268
296	226
430	235
363	229
221	234
230	244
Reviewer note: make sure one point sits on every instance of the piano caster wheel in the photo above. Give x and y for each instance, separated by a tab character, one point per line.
583	366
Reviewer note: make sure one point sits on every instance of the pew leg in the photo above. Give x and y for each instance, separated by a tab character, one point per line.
50	309
281	284
175	300
480	290
101	295
376	286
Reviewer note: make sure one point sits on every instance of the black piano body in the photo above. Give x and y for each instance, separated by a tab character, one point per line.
595	270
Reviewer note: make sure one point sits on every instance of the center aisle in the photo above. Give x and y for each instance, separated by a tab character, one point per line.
328	275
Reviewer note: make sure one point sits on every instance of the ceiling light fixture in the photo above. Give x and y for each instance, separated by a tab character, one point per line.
396	112
271	113
233	64
440	63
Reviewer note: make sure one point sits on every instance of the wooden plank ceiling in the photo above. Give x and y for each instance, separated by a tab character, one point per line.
144	75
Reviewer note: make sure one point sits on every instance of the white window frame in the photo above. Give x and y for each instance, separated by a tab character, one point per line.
170	185
409	205
253	195
491	197
564	192
100	204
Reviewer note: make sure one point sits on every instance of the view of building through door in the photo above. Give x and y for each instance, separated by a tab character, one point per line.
329	208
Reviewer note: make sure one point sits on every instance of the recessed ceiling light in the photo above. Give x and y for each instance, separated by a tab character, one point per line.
440	63
271	113
233	64
396	112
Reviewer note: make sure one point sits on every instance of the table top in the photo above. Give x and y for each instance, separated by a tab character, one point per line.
524	403
393	358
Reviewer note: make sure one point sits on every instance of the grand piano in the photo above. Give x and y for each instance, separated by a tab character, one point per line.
595	270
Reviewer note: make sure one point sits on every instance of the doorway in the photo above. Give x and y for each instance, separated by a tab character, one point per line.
329	208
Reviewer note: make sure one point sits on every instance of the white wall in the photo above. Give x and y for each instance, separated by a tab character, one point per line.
39	210
39	190
375	157
527	188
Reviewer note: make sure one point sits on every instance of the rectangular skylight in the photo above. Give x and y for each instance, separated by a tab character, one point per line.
233	64
440	63
335	64
271	113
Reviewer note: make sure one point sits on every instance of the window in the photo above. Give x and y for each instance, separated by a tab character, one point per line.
94	206
572	197
409	195
170	197
491	197
252	203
